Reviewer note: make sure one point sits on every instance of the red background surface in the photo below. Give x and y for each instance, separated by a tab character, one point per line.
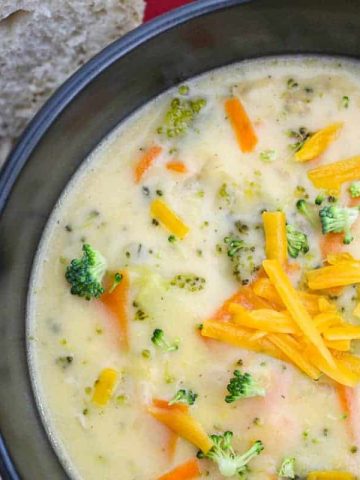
157	7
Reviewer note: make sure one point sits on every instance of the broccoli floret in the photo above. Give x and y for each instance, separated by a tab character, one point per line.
181	114
305	209
85	274
287	468
189	282
158	339
184	396
354	190
297	241
229	462
243	385
335	219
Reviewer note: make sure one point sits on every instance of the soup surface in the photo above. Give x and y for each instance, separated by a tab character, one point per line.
202	217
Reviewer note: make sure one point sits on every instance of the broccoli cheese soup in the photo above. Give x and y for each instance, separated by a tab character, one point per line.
194	309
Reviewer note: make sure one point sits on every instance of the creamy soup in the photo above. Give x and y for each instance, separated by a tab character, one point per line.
198	277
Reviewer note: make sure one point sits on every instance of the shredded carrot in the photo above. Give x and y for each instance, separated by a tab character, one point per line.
186	471
176	166
295	307
318	143
104	386
117	303
241	124
145	162
182	423
333	175
275	236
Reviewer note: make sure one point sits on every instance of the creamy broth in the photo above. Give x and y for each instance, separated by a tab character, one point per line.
222	194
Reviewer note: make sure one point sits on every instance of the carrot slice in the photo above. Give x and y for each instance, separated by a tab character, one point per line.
145	162
186	471
345	396
318	143
117	303
171	445
333	175
275	235
331	243
175	166
295	307
241	124
183	424
162	212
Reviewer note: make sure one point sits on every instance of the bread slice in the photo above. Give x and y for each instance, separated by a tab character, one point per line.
42	42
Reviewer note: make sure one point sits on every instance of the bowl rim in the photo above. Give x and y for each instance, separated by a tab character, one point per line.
64	96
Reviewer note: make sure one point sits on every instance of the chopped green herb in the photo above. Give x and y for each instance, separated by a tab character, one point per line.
300	135
171	239
146	353
319	199
65	361
291	83
183	90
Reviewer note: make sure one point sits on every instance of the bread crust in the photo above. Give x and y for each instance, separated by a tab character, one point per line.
42	42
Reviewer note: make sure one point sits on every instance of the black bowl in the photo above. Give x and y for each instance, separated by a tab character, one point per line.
204	35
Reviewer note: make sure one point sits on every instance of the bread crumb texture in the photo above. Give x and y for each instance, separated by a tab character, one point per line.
42	42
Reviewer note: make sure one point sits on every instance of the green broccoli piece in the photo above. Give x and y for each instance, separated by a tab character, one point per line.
307	211
234	245
297	241
180	115
228	461
85	274
335	219
243	385
158	339
184	396
189	282
354	190
287	468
